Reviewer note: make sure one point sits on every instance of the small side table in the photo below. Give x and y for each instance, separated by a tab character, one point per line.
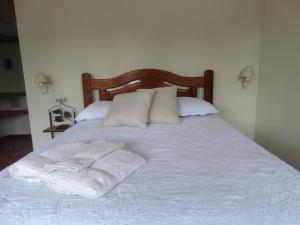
55	129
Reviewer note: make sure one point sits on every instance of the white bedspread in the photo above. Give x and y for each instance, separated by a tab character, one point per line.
200	172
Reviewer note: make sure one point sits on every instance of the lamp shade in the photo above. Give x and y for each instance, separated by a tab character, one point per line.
246	75
42	79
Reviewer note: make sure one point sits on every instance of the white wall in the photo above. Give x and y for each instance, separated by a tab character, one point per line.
278	112
64	38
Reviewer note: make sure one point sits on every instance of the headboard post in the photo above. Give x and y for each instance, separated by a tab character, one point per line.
87	89
208	85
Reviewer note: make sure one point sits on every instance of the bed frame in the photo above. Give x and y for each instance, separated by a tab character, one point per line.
145	79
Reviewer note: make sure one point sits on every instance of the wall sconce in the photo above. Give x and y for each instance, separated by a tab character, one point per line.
246	75
43	81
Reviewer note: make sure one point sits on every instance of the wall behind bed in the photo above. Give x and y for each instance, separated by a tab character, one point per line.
64	38
278	112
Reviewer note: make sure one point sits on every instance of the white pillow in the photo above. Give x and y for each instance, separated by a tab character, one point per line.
131	109
189	106
95	110
164	107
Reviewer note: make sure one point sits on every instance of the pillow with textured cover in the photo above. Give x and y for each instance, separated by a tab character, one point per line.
130	109
164	108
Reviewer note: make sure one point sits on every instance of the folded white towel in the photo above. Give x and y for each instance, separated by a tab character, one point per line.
64	152
101	177
120	163
84	159
31	168
88	183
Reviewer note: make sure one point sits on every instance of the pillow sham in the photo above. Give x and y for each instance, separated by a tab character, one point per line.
95	110
131	109
164	108
189	106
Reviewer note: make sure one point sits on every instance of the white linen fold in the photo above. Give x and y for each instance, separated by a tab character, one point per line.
31	168
64	152
84	159
120	163
36	167
88	170
100	178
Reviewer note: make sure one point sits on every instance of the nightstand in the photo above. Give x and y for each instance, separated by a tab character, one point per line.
55	129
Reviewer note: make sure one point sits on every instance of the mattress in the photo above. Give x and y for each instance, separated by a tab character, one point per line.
201	171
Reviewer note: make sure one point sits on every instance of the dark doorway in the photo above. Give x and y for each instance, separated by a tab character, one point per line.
15	138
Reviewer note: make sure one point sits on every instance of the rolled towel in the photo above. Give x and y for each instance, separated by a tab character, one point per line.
84	159
31	168
100	178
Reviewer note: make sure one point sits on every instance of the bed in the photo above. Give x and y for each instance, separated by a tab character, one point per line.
201	171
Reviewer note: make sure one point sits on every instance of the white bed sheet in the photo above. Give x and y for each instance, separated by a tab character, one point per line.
199	172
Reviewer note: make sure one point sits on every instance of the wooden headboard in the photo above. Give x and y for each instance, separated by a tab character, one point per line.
145	79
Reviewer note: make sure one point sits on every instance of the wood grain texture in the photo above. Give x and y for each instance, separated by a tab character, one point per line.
87	91
145	79
13	148
208	86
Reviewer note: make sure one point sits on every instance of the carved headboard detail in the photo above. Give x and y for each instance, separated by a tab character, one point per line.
144	79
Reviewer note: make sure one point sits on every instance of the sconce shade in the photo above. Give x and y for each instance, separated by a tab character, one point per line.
43	81
246	75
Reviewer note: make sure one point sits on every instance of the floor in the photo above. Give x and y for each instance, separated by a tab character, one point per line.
14	147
